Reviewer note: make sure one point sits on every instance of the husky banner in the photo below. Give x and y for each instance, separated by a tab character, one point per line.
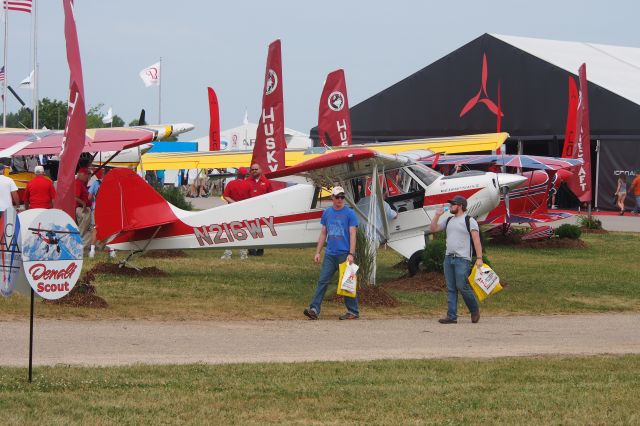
334	120
580	184
270	145
75	128
618	159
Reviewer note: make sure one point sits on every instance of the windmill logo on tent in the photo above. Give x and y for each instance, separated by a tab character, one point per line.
478	98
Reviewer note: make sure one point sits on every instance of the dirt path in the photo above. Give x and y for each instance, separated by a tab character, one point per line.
150	342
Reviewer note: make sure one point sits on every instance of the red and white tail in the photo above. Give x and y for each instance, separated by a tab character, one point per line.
126	202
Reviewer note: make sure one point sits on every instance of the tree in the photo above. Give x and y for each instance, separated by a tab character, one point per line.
52	114
117	121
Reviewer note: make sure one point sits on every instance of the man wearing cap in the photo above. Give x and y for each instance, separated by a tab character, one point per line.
339	225
93	193
39	193
457	261
83	207
237	190
8	191
258	185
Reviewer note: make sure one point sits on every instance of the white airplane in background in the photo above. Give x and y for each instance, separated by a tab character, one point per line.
131	215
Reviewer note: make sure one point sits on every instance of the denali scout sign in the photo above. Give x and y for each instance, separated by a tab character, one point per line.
52	253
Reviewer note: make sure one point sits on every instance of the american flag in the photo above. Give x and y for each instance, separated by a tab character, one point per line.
19	5
2	73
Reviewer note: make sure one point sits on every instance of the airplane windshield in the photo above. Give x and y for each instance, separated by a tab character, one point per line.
425	174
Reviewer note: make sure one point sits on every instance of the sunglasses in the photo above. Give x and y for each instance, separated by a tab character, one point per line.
339	197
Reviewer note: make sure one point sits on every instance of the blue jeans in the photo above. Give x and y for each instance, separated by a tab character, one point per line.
637	209
456	271
330	265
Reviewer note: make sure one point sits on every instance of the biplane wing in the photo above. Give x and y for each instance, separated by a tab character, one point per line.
18	142
235	159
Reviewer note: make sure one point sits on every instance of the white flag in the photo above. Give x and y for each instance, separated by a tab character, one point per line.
109	117
246	118
151	75
27	83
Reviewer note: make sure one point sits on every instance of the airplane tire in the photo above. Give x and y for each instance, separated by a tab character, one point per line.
414	263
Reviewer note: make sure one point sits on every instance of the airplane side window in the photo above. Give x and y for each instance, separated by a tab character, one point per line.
425	174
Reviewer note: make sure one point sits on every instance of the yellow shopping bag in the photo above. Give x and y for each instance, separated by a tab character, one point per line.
347	279
484	282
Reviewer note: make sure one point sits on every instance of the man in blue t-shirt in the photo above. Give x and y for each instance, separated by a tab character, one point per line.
339	225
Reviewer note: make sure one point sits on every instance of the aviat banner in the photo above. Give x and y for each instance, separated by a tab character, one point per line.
618	159
334	120
51	253
9	250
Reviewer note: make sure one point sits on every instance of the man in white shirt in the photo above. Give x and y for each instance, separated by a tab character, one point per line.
8	191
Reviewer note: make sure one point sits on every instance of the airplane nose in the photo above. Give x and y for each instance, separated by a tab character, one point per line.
182	128
508	180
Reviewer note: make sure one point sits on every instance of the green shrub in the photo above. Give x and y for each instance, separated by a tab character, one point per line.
433	256
175	196
589	222
568	231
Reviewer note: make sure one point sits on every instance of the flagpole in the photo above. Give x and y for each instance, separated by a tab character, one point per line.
35	64
4	85
160	92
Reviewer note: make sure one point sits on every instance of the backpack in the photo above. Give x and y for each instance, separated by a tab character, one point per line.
467	221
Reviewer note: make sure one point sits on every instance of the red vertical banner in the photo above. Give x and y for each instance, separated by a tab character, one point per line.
270	145
580	184
334	119
76	125
214	121
499	119
572	110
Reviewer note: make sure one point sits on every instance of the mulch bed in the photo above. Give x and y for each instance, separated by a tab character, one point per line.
371	296
83	294
555	243
162	254
422	282
115	269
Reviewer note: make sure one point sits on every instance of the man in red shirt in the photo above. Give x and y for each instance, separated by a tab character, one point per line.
83	207
40	192
259	184
237	190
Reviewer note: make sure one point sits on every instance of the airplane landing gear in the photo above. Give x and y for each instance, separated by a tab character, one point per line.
414	263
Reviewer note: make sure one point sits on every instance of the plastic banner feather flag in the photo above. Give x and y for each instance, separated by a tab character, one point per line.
270	145
108	119
76	125
214	121
334	119
151	75
572	110
580	183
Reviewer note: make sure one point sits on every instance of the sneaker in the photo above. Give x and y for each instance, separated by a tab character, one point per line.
447	321
348	316
311	314
475	317
92	254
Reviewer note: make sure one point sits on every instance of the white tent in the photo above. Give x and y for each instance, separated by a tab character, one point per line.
242	138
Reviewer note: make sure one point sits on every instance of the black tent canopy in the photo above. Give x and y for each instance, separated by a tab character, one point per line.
458	94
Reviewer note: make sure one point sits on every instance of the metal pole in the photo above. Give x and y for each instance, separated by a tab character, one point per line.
31	337
597	170
35	66
160	92
4	86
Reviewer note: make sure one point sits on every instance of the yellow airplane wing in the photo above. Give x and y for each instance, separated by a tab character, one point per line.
234	159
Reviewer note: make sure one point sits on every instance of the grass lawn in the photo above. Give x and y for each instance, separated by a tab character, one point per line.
549	390
601	278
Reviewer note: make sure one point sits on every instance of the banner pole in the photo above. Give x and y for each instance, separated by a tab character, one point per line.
160	92
4	85
31	337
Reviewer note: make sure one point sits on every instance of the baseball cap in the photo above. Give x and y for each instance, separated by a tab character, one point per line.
459	200
38	169
242	171
337	190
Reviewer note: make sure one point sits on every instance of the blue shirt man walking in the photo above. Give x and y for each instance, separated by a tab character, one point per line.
339	225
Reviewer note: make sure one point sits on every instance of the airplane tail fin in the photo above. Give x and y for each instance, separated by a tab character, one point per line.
126	202
141	120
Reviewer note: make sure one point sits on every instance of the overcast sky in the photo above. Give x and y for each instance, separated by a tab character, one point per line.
223	44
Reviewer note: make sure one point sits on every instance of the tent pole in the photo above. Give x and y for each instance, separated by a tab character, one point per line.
597	171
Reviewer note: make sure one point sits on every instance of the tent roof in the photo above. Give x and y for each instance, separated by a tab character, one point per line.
615	68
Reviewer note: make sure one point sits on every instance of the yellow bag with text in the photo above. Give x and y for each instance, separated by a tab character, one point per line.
484	282
347	279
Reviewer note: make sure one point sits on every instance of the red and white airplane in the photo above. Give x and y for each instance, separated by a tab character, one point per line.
131	215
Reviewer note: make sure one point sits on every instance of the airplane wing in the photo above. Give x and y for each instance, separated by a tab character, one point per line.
235	159
17	142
